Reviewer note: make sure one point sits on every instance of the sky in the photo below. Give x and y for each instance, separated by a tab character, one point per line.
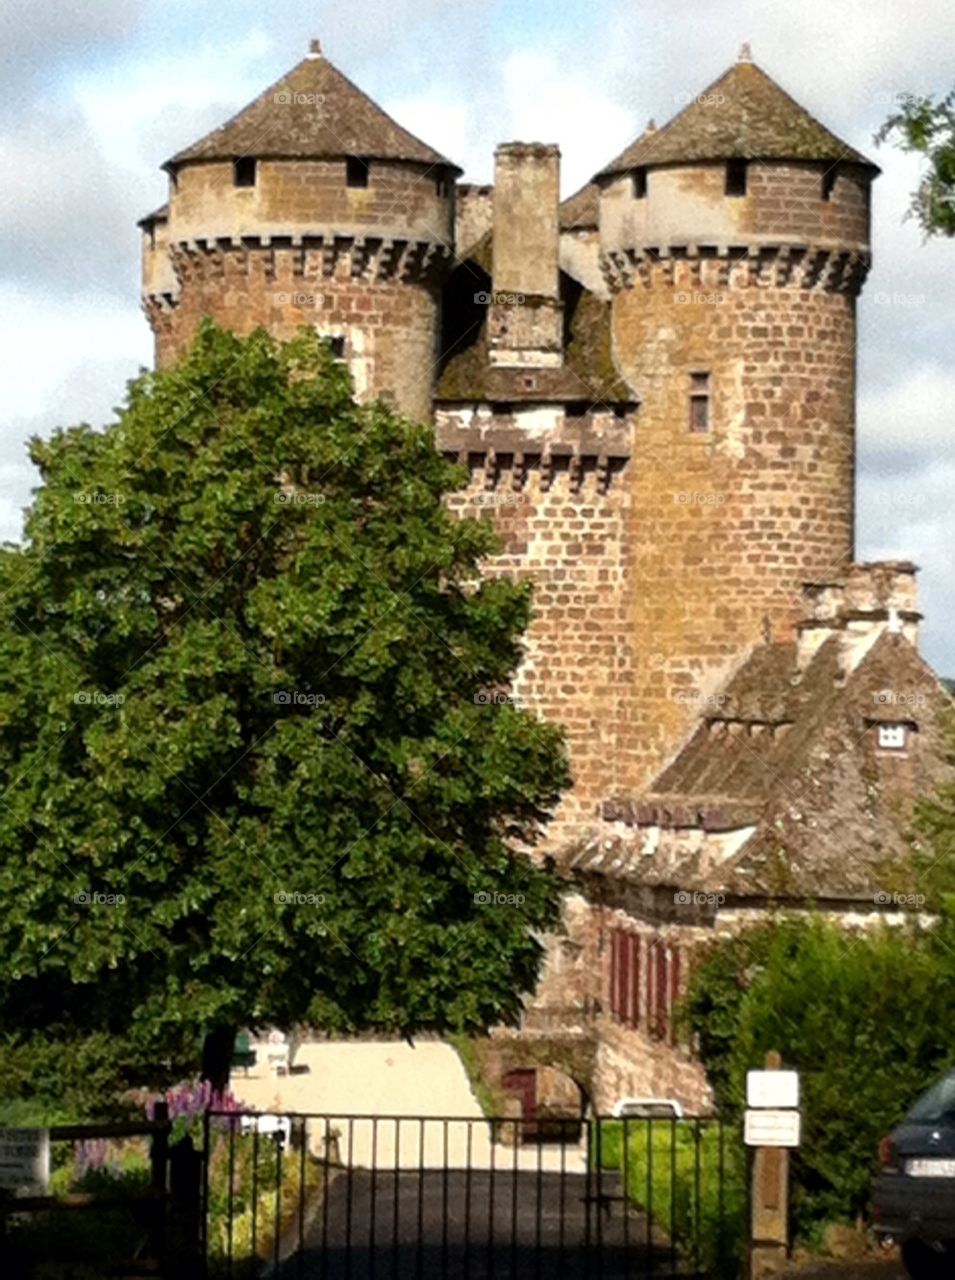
98	93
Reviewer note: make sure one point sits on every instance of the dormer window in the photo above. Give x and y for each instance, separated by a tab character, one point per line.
356	171
639	183
244	171
893	737
736	177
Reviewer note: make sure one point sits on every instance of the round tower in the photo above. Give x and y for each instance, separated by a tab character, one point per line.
735	241
309	207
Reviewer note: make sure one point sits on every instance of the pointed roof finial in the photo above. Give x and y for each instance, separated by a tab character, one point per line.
745	53
651	126
315	49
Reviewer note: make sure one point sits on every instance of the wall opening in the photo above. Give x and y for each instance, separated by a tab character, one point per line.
244	171
736	177
356	171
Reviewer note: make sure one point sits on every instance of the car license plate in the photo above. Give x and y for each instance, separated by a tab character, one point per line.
930	1168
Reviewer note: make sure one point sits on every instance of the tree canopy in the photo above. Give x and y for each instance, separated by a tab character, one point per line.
926	126
254	764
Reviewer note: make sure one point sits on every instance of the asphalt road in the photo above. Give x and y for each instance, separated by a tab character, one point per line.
456	1225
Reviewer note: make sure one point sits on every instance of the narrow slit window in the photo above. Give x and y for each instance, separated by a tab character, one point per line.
736	177
244	171
828	183
699	402
639	183
356	171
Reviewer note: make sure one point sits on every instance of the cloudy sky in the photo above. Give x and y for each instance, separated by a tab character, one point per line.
98	93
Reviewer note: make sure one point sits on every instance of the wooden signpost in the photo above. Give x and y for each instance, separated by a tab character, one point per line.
772	1126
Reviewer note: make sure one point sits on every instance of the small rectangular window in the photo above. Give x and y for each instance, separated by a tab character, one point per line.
356	171
699	402
828	182
337	344
639	183
244	171
736	177
442	186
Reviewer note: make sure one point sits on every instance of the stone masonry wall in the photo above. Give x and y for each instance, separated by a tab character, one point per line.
732	519
569	533
389	324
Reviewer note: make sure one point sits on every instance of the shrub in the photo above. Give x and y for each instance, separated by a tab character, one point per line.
865	1019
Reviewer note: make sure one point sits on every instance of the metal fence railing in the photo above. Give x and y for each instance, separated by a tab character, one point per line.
336	1197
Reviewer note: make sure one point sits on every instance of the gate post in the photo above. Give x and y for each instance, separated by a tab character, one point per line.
769	1218
159	1162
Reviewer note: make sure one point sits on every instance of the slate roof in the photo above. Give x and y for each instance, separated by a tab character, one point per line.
313	112
785	760
744	115
580	212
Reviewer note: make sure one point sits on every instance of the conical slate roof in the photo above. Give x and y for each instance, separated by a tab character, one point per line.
742	115
313	113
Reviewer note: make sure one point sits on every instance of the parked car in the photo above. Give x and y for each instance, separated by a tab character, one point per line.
914	1193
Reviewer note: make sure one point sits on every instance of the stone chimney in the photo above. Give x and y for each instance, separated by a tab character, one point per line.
526	317
872	599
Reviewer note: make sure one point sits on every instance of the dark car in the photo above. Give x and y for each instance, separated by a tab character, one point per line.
914	1194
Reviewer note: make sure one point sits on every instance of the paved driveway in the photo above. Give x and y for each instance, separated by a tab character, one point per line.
471	1226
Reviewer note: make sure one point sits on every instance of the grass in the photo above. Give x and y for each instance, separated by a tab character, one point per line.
694	1192
493	1102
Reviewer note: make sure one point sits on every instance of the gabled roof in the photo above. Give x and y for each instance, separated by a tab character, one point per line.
580	212
315	113
813	816
742	115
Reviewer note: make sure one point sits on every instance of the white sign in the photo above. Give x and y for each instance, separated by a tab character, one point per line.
774	1089
766	1128
25	1159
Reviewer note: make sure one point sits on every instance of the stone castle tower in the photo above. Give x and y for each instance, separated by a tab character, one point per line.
651	384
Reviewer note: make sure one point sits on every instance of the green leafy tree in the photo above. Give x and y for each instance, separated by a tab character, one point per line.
254	765
865	1018
927	127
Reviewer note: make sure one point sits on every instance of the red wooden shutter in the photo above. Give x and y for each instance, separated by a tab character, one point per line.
637	945
624	997
675	966
661	1001
614	971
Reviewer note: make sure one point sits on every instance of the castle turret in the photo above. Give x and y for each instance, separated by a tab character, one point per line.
311	206
735	240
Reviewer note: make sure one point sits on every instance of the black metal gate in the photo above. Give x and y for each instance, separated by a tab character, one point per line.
359	1197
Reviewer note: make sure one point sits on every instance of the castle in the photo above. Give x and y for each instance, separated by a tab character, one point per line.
652	386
